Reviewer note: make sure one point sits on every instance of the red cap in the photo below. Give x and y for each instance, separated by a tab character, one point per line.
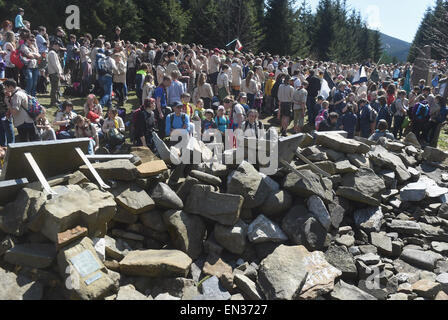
272	75
217	50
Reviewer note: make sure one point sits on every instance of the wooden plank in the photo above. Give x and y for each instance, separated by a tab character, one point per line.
38	173
91	169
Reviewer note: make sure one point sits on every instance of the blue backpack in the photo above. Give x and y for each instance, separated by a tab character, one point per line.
101	64
422	112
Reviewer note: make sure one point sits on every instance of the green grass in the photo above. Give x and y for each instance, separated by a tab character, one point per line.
443	140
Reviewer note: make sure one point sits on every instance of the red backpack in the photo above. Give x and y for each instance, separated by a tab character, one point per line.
16	59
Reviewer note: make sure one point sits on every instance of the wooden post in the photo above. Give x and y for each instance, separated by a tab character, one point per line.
29	157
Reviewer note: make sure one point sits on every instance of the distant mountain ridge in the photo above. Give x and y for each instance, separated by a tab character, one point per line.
395	47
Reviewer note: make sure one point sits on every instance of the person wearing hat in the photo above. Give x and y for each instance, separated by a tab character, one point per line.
64	119
55	71
117	34
19	20
177	120
222	121
208	122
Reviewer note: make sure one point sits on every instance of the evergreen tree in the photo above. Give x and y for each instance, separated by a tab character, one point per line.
420	39
164	20
279	22
323	33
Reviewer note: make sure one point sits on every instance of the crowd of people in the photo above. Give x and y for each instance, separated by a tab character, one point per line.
187	86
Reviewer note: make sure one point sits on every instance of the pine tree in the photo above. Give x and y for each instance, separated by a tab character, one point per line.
323	33
420	39
164	20
277	26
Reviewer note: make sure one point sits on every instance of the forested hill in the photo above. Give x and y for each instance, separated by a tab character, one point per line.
395	47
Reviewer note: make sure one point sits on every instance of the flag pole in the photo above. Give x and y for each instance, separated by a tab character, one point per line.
230	43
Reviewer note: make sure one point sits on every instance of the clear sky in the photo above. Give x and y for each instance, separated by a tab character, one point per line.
396	18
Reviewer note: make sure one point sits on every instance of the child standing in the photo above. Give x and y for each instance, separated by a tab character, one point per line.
349	121
221	120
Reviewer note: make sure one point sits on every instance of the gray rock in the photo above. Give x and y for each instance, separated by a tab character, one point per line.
129	293
309	185
24	210
31	255
317	208
443	280
86	206
398	296
358	160
248	287
187	232
232	238
116	249
134	199
184	189
345	166
382	242
222	208
421	259
369	219
387	160
156	263
337	214
345	291
405	227
166	297
414	192
276	203
206	178
124	216
303	229
355	195
365	181
165	197
282	274
264	230
19	287
440	247
212	290
249	183
153	220
369	258
345	240
122	170
340	258
341	144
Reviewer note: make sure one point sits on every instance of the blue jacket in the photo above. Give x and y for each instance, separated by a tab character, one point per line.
178	123
349	121
385	113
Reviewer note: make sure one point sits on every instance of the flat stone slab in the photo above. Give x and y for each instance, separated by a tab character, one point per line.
153	168
19	287
156	263
33	255
9	189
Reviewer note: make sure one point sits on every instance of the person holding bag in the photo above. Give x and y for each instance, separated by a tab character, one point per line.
17	101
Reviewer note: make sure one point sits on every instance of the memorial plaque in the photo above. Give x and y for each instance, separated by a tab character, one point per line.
93	278
53	158
85	263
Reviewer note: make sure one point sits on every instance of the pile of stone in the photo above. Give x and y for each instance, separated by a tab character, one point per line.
375	227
